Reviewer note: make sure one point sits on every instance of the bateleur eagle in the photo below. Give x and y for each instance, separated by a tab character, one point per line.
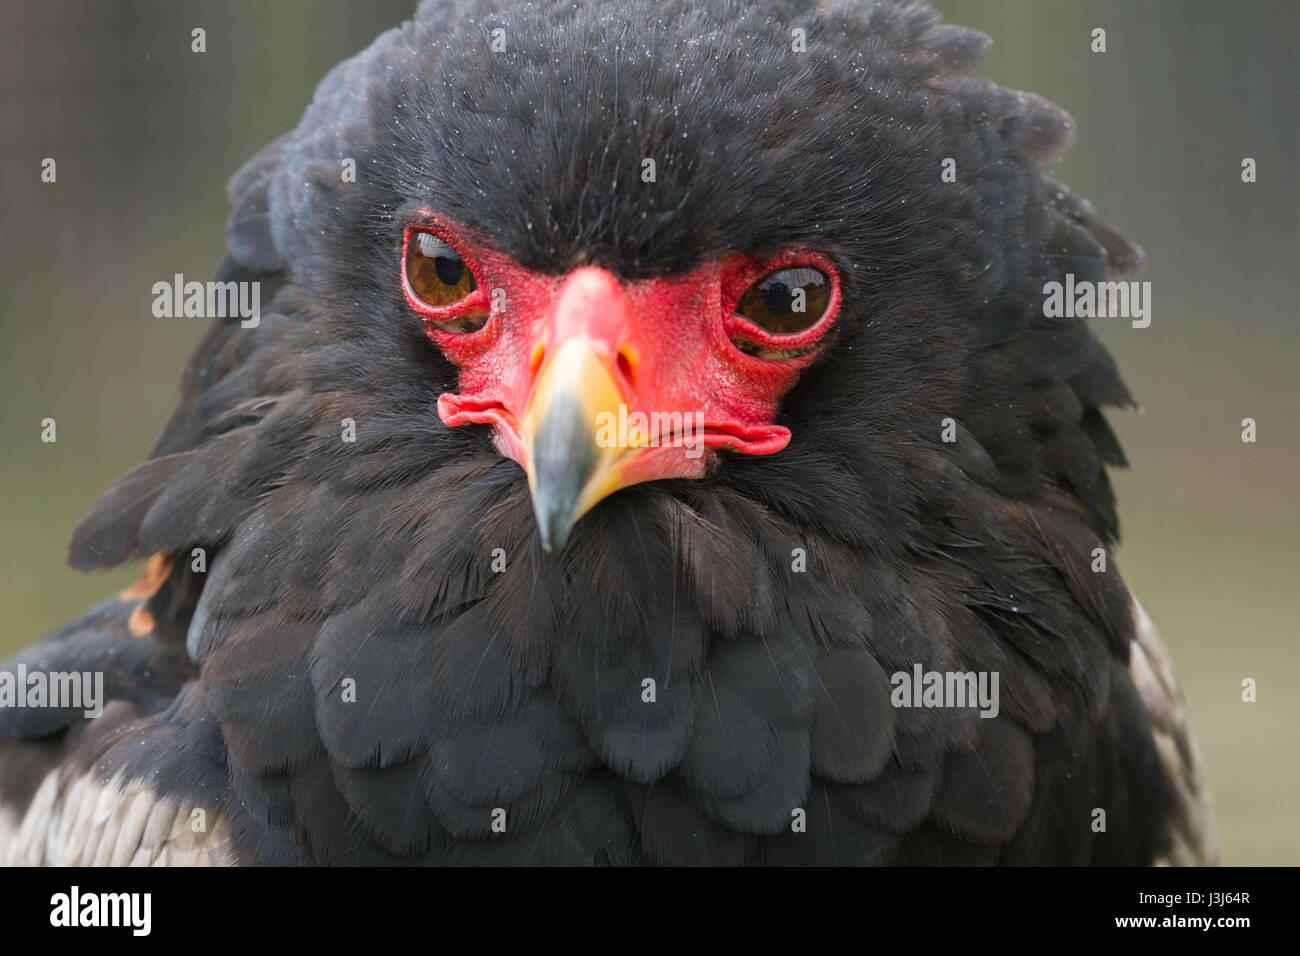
669	389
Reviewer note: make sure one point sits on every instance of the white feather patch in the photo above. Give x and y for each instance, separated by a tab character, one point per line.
86	821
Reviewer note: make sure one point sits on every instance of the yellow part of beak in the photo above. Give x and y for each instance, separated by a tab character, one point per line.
571	466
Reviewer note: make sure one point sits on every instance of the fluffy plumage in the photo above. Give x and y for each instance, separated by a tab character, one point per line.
522	690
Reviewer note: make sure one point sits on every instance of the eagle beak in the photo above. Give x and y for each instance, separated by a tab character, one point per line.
571	462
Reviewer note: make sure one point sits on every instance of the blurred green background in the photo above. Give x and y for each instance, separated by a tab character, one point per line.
145	134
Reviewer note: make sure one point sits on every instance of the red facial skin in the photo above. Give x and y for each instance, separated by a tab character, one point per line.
668	343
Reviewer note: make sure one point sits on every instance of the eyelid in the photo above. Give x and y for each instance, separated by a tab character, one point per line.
742	272
432	244
749	272
436	315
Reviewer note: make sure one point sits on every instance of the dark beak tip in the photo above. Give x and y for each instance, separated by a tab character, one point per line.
554	525
564	456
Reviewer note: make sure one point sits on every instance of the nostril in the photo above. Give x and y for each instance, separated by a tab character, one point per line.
627	365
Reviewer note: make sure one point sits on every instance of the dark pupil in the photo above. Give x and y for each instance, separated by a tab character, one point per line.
449	269
447	265
779	292
778	297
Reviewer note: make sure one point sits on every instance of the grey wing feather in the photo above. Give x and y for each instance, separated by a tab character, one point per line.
1193	837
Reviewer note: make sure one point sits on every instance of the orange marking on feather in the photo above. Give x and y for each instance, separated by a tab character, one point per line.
140	622
148	583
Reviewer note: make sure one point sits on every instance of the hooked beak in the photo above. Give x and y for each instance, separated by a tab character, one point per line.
572	464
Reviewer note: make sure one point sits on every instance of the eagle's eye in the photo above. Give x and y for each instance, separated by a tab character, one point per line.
438	277
786	301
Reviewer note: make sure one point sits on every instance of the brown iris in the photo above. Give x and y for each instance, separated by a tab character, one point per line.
786	301
439	277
